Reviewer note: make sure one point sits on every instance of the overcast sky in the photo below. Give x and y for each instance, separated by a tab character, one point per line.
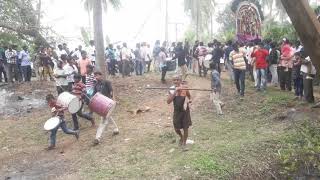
137	20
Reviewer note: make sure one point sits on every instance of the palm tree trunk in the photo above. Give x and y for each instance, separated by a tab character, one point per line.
90	25
98	37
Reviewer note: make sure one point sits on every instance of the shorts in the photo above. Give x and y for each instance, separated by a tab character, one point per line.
182	119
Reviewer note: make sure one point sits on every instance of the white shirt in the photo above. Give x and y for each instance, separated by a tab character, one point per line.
60	81
126	53
70	70
77	54
59	53
144	53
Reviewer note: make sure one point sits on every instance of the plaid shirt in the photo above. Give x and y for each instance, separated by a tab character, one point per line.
11	56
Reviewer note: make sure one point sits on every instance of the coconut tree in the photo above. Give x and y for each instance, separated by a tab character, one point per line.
97	7
200	13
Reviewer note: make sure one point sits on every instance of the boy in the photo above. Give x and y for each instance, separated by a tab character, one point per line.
181	115
58	110
79	89
216	89
104	87
90	80
61	78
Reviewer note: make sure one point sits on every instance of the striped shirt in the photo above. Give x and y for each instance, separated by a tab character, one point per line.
238	59
90	81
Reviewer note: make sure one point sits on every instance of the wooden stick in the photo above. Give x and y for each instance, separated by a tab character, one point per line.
167	88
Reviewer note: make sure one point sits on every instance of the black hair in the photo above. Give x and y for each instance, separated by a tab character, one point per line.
49	97
77	76
89	66
98	73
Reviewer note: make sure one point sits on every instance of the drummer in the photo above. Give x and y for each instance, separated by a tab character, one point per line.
79	89
58	110
181	115
104	87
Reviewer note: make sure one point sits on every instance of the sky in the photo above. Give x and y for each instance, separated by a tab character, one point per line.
135	21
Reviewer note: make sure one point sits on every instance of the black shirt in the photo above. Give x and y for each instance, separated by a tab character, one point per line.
181	55
104	87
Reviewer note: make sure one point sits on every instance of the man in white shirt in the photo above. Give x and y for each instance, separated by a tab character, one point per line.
60	51
70	69
77	53
125	57
12	70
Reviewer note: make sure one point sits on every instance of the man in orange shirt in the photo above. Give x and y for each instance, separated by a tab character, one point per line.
83	62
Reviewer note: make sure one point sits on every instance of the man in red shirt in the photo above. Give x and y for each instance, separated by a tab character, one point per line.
260	58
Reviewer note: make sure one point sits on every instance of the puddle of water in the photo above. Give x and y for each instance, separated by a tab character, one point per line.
10	104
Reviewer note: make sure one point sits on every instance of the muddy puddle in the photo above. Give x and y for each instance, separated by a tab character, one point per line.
12	103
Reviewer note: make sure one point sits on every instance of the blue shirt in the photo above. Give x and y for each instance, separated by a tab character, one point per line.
25	58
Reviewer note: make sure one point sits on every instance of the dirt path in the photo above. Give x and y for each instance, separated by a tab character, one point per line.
237	143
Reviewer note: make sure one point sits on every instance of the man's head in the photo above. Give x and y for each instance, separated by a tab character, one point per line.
65	46
60	64
177	80
98	75
60	47
124	45
77	78
138	45
83	54
201	44
110	46
89	68
51	100
118	47
91	42
80	48
64	57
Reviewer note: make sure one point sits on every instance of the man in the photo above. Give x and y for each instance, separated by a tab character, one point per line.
138	60
260	54
65	47
180	54
273	61
83	63
146	57
216	89
111	59
12	69
24	56
155	52
163	64
92	52
181	115
188	54
125	57
217	54
201	53
195	56
2	65
44	64
118	57
61	51
104	87
77	53
308	72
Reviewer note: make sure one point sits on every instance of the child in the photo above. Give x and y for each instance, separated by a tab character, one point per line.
181	115
61	78
216	89
308	72
105	88
297	77
79	89
58	110
90	80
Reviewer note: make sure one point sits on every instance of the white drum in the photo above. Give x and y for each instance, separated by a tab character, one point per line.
51	123
70	101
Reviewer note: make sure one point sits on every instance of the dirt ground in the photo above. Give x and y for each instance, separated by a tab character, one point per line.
238	145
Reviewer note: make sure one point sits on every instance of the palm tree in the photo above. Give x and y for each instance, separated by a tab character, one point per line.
96	7
200	12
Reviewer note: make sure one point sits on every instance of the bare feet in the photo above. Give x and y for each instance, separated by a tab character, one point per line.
96	142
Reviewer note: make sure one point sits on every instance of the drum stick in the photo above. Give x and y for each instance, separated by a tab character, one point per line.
166	88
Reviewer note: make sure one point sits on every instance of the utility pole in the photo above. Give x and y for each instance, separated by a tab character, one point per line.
166	23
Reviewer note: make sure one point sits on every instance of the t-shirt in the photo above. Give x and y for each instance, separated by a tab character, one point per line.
61	52
25	58
91	53
90	81
83	66
162	59
70	70
60	81
104	87
261	58
57	106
